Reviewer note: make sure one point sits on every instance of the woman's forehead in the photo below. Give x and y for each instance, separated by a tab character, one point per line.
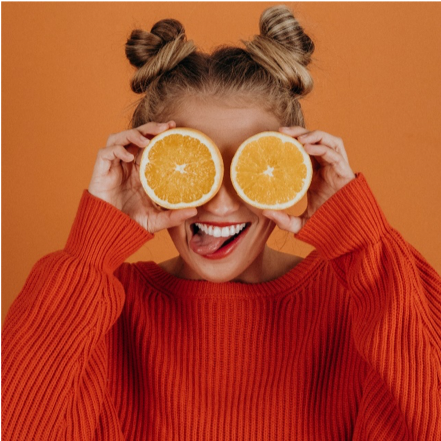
227	124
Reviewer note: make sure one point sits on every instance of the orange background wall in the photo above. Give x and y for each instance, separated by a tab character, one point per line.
65	88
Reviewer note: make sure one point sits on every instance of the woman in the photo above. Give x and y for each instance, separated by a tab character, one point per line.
228	340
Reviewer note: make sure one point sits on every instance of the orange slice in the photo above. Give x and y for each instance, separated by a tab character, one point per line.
181	168
271	170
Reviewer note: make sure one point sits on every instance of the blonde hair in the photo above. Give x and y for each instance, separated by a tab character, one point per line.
270	70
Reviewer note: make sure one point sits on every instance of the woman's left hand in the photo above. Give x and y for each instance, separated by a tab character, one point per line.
331	172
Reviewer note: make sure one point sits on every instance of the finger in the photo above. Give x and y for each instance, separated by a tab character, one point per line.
170	219
128	137
284	221
139	136
326	156
319	137
115	153
153	128
323	154
110	157
293	131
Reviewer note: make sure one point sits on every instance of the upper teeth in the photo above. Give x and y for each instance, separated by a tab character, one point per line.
212	230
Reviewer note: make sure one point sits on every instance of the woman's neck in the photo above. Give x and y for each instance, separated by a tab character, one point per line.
271	264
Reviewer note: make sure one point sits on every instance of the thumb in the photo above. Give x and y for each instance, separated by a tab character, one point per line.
176	217
171	218
284	221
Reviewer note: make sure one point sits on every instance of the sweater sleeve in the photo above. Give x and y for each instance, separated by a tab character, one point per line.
395	310
54	357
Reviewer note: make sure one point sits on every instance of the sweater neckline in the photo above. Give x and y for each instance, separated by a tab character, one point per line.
169	284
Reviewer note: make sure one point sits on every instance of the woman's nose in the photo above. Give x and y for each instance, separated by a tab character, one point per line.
225	202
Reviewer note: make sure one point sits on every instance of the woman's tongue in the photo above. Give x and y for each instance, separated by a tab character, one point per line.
202	243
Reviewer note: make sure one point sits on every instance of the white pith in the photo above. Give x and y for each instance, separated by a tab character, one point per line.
214	231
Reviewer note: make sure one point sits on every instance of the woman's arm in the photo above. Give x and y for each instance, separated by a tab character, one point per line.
54	352
396	314
395	295
54	356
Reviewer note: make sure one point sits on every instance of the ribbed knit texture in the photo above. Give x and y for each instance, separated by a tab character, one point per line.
346	346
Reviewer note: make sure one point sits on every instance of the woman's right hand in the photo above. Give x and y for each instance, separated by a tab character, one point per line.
115	179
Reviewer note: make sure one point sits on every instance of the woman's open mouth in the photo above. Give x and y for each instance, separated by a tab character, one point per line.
216	240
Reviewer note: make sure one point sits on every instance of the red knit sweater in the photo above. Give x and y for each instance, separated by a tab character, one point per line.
345	346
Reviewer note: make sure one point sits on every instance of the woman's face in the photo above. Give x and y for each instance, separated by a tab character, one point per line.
239	256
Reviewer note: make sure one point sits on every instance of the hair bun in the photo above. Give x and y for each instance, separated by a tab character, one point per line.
157	51
283	49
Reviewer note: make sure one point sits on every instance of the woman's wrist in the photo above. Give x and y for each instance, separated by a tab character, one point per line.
102	235
349	220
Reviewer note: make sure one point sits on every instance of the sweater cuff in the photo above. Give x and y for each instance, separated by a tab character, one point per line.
102	235
349	220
